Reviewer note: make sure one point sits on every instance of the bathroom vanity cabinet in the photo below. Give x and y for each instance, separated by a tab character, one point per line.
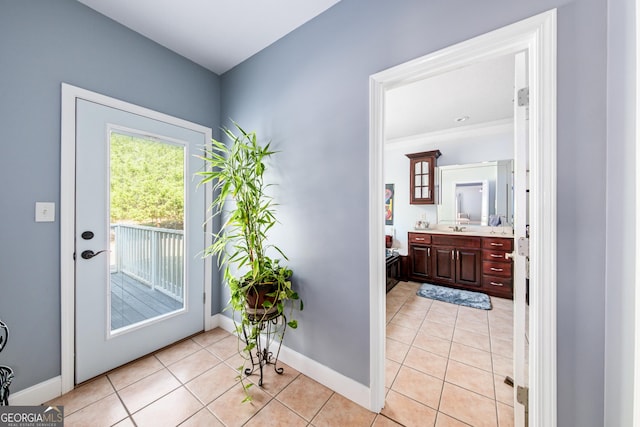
462	261
457	260
420	256
497	268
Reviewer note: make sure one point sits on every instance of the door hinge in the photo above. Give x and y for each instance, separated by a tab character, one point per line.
523	250
523	246
204	297
522	395
523	97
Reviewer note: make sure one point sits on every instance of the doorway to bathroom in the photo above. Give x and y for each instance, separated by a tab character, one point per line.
535	38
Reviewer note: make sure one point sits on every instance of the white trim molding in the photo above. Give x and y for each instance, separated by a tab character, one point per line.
37	394
537	36
334	380
636	346
67	216
503	126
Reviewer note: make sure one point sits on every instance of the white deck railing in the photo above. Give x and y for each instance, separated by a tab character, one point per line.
153	256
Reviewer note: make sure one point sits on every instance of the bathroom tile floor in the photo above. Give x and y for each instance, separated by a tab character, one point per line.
445	366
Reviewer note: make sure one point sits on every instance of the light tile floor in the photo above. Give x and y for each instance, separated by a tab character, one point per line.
445	366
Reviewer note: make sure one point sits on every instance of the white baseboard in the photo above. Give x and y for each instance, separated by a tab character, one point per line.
352	390
326	376
37	394
52	388
221	321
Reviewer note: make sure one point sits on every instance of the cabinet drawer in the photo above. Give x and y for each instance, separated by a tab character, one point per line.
455	241
501	269
494	283
495	256
420	238
498	243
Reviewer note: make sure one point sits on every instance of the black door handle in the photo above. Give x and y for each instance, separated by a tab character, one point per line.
90	254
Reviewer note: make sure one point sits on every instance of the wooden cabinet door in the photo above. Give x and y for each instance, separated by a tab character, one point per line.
444	264
469	267
421	177
420	268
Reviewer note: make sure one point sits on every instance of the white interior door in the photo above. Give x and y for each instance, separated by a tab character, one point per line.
520	328
138	236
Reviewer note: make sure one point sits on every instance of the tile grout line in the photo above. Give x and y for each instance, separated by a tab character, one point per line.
166	368
129	414
486	323
446	369
493	379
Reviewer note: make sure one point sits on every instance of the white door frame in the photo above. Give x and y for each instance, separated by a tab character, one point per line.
536	35
67	215
636	346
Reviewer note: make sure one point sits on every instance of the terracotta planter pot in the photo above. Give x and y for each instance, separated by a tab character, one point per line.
257	296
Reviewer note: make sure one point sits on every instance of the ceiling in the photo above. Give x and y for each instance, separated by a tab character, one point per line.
220	34
216	34
483	93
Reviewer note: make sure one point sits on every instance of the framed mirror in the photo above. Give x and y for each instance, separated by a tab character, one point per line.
476	193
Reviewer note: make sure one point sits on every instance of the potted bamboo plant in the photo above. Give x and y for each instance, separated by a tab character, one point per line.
260	287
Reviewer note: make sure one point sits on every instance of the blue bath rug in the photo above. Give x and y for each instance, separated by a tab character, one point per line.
455	296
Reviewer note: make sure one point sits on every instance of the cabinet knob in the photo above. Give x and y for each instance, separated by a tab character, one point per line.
496	284
496	244
496	269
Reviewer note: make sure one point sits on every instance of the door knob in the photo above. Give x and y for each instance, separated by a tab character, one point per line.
90	254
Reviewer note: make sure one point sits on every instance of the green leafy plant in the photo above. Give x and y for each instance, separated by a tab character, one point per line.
260	288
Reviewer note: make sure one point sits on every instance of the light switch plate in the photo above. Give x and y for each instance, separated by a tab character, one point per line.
45	211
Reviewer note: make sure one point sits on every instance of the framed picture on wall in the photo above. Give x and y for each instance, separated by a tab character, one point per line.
388	204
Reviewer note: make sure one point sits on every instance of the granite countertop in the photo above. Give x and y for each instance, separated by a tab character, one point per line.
484	232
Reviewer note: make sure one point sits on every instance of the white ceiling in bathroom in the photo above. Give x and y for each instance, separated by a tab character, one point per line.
483	92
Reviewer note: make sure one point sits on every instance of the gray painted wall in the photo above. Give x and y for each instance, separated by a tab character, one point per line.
309	94
44	43
621	255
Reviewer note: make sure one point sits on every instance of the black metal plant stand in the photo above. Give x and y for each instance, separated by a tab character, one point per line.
6	373
272	329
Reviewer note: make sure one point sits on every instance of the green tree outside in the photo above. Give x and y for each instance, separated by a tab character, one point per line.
147	182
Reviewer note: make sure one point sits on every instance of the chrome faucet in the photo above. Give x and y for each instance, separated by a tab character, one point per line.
457	229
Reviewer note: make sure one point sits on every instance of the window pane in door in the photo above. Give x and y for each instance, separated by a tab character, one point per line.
147	193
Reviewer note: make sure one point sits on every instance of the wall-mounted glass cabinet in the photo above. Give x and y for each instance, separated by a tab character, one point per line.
421	177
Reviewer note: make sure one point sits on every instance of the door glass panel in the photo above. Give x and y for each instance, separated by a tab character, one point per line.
147	193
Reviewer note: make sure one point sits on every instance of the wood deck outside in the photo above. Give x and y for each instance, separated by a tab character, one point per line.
133	302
